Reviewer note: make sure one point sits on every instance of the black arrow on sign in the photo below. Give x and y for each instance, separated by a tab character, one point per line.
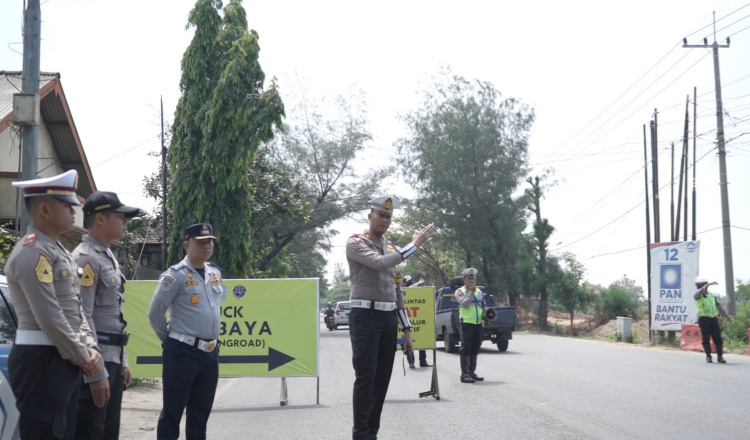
274	359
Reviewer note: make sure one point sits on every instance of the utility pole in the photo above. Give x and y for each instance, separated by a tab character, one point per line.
695	118
32	27
725	223
648	231
655	180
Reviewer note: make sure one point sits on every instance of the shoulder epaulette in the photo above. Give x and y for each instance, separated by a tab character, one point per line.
214	265
178	266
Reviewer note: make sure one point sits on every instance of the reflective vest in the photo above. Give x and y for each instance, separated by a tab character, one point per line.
473	313
706	306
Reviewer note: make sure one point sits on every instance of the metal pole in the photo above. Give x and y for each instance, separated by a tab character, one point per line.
32	26
655	180
671	201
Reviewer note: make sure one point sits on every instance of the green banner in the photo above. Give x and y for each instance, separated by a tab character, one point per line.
420	306
269	328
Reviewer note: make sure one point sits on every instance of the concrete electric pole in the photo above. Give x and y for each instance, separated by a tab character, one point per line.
725	224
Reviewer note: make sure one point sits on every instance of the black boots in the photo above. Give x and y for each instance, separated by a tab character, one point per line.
472	367
465	377
720	354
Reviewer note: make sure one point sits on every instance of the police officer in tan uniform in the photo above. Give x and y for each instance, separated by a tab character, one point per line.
54	343
102	285
377	310
192	292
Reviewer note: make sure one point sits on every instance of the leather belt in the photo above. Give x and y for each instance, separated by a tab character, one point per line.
37	337
376	305
201	344
118	339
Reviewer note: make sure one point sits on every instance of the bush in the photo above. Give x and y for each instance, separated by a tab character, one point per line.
617	301
737	329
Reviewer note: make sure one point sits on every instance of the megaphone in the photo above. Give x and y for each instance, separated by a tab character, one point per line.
489	314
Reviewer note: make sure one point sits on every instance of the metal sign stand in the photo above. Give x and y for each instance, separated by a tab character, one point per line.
434	389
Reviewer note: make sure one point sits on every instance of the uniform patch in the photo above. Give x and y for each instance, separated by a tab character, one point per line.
214	282
191	283
194	299
29	239
64	273
43	270
189	274
356	239
367	235
166	282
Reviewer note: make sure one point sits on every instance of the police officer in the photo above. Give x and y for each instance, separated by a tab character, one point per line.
708	311
470	310
102	285
192	292
377	309
54	343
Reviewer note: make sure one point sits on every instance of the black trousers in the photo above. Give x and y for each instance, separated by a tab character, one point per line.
373	334
471	339
96	423
190	377
710	328
46	388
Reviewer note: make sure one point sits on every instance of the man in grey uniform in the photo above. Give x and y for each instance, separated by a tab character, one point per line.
192	292
54	343
102	285
377	309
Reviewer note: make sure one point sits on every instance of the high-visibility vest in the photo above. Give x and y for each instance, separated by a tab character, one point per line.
473	313
706	306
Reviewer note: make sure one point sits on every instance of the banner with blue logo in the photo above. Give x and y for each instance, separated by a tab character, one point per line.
674	266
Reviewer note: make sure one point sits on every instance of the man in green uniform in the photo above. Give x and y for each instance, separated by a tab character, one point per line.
708	311
470	311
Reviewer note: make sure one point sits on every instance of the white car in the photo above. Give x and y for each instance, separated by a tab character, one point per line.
341	316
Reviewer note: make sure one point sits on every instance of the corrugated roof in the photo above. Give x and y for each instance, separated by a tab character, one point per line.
58	120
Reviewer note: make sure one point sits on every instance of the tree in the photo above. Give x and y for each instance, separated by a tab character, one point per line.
568	287
223	117
342	288
466	155
542	231
318	146
621	298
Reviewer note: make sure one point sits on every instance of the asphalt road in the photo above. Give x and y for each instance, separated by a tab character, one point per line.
543	387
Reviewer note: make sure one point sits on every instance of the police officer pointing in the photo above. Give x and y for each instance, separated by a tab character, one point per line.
377	310
191	291
102	285
470	311
54	343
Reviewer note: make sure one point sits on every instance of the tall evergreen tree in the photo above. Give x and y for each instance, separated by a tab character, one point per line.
466	156
222	118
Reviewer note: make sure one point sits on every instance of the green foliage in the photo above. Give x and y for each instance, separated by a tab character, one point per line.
621	298
736	330
567	287
742	293
341	290
466	155
7	241
318	146
223	118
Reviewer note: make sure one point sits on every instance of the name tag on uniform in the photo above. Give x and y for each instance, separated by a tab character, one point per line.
215	281
191	283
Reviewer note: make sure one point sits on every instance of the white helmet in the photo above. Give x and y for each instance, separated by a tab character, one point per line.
700	280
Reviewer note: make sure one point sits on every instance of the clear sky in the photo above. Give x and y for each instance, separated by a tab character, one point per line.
594	71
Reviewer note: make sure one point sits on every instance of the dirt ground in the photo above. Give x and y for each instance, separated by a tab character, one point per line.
140	410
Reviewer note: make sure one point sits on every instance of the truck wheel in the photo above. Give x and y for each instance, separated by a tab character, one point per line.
449	342
502	345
